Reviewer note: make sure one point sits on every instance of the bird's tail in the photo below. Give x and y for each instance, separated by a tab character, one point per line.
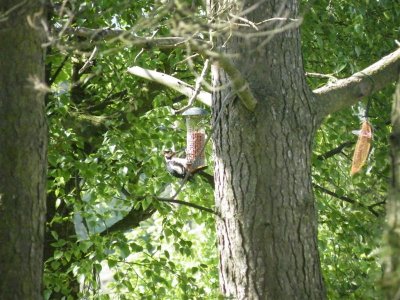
209	178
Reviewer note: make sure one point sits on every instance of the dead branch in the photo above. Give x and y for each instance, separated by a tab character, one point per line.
128	36
171	82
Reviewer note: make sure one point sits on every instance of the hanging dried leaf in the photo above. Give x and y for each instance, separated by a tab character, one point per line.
362	148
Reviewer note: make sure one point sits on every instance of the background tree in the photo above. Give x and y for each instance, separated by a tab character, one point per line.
23	140
391	248
108	129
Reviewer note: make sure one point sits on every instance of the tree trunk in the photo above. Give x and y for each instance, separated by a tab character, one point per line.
268	225
23	144
391	259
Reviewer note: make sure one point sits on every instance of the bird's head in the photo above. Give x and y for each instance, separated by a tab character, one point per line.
168	154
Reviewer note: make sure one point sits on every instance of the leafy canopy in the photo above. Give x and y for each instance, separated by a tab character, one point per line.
108	235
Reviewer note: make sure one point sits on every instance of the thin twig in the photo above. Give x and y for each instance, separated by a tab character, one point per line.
197	87
346	199
334	151
319	75
170	200
137	55
88	63
187	204
377	204
58	71
276	19
244	20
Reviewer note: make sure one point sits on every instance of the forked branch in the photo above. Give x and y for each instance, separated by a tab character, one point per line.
240	85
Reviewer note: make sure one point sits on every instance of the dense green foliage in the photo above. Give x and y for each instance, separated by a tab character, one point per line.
108	130
346	37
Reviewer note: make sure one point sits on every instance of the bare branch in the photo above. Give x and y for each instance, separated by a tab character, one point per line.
129	221
244	20
293	24
346	199
199	207
58	71
319	75
196	88
128	36
345	92
172	83
89	62
334	151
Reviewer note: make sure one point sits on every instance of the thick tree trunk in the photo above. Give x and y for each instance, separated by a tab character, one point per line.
268	226
23	146
391	259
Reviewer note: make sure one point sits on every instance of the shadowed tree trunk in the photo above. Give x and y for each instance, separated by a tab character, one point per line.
391	253
23	144
268	226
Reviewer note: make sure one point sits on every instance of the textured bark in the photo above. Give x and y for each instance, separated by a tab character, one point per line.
391	260
268	226
22	153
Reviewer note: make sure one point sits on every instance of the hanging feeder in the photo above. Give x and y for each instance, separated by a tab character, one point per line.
363	147
195	138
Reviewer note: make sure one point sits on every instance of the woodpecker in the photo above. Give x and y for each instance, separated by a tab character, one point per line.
177	167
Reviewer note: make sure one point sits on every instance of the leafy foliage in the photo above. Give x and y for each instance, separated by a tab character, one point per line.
345	37
108	237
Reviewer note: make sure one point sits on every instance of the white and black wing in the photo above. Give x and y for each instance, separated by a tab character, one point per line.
176	169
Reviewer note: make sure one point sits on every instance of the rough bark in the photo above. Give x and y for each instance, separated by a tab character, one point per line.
23	146
391	259
268	226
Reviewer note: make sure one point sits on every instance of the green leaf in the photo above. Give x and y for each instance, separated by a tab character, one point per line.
146	203
84	245
112	263
54	234
58	254
124	249
55	264
135	247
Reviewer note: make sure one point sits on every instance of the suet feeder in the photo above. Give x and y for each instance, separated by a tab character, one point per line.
195	138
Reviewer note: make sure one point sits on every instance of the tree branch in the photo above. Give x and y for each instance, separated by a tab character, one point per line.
345	92
197	88
346	199
58	71
130	37
171	82
130	221
135	216
334	151
199	207
319	75
240	85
